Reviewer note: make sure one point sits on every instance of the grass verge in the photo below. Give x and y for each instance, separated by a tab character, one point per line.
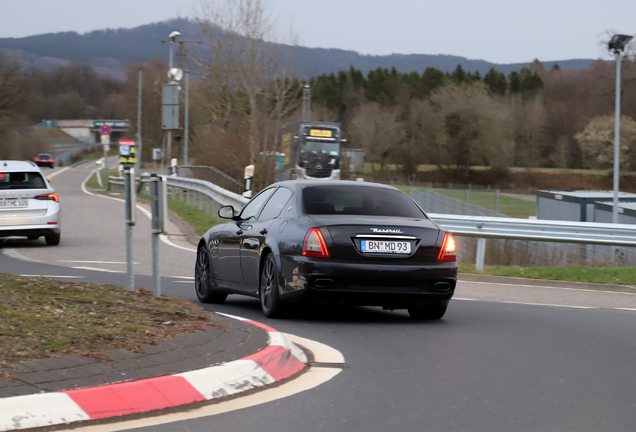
197	219
92	182
609	275
42	318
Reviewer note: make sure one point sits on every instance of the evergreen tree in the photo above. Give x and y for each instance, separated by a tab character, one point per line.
531	83
431	79
515	82
459	75
496	82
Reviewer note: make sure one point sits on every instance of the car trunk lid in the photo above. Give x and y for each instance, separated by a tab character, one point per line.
364	238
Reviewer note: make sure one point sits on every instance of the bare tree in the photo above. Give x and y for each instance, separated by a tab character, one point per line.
597	142
247	80
477	128
378	130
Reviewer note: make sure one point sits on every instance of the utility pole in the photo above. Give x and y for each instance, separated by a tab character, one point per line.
187	109
306	103
617	136
617	46
175	75
139	144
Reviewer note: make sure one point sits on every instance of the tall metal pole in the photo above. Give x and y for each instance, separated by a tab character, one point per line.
139	144
156	230
168	147
130	220
187	106
306	103
617	131
170	59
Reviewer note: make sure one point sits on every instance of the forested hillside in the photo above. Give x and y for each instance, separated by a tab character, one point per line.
109	51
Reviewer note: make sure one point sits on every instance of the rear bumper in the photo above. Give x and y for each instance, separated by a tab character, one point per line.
388	285
30	231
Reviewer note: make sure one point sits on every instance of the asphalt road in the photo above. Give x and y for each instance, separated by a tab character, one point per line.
504	357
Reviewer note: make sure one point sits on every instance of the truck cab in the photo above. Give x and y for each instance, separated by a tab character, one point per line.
312	150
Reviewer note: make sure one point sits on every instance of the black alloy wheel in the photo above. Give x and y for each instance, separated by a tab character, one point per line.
271	305
202	282
433	312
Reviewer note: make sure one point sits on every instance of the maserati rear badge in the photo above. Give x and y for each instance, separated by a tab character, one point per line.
386	230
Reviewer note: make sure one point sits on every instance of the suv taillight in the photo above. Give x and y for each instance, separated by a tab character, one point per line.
50	196
448	249
315	245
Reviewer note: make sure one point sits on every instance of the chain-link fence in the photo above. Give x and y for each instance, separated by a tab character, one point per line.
433	202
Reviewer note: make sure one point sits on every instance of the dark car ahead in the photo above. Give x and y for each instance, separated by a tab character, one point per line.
351	242
44	159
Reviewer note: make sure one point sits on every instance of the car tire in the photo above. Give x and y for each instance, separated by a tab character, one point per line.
434	312
202	281
271	304
53	239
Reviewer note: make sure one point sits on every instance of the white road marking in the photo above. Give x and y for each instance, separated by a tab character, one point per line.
541	304
182	277
164	238
97	269
53	276
17	255
186	282
95	262
50	176
550	287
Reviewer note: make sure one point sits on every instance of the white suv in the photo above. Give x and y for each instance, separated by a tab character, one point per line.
29	205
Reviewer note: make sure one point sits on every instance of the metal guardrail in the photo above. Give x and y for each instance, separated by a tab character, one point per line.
211	175
589	233
195	192
203	193
538	230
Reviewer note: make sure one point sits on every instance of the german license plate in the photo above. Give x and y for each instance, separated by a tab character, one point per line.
13	203
383	246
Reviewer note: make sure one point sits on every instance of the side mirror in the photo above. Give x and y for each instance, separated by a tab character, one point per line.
226	212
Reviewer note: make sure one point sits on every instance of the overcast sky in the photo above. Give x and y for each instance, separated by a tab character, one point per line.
500	31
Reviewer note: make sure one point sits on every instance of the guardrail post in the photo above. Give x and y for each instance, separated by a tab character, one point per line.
181	194
188	197
207	204
467	195
201	198
481	254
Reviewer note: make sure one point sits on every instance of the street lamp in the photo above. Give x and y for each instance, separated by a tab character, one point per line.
617	46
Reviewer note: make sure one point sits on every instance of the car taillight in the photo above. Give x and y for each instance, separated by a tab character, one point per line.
50	196
50	160
315	245
448	249
38	160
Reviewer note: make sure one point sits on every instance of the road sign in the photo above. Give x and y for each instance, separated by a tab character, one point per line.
107	147
104	130
105	139
127	153
156	154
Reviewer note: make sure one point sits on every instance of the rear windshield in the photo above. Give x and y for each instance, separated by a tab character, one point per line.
359	200
21	180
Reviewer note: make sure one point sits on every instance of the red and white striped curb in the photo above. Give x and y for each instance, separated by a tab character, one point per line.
279	360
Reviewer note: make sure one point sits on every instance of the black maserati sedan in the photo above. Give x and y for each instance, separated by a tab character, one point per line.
329	242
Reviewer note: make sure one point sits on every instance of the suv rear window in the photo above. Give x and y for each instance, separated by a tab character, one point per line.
21	180
359	200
